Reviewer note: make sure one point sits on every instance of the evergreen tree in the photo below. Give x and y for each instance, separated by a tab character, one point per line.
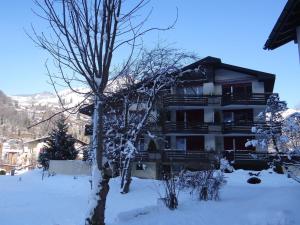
59	145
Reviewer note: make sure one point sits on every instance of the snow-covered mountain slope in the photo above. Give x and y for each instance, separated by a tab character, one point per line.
67	97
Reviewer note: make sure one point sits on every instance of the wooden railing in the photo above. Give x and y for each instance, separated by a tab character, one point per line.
176	155
246	155
185	100
237	127
198	127
250	99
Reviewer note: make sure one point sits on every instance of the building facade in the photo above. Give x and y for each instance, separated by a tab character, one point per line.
205	117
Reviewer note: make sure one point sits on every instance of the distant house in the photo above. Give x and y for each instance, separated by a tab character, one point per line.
11	150
287	27
205	117
35	146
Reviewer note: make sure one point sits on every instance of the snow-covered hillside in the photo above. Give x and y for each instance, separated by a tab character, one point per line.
67	96
28	200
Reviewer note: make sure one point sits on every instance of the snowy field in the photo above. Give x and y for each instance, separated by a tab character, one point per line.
62	200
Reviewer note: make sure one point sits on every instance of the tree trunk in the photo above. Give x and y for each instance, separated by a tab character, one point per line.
98	216
126	176
99	211
275	144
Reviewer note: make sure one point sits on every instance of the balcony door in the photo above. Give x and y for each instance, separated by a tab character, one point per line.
241	116
189	116
237	143
190	143
195	143
240	91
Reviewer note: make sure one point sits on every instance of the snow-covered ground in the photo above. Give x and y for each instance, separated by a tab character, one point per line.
62	200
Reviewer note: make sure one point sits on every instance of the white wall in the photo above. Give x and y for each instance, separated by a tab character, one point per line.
210	144
228	75
148	172
208	115
69	167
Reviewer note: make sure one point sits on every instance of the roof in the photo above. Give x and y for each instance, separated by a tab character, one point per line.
45	138
217	63
284	30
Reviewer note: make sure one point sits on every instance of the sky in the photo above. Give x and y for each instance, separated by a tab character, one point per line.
232	30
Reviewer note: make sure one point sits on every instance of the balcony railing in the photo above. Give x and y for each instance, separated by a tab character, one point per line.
198	127
238	127
202	100
246	155
249	99
185	100
178	155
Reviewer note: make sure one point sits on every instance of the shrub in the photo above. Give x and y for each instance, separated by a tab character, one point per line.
2	172
254	180
206	184
171	191
278	169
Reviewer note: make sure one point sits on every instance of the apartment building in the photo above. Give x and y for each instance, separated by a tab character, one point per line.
204	117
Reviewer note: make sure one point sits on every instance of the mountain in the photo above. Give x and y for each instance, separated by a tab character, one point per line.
67	97
20	111
12	121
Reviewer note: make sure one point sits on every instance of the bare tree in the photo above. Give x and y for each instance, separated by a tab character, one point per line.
133	110
85	34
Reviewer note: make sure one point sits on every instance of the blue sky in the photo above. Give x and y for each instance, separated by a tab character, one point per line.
232	30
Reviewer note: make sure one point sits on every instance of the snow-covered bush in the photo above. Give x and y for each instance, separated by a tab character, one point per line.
206	184
291	133
171	191
225	166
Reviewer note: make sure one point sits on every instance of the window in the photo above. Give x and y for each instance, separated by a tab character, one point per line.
195	90
237	90
228	117
181	143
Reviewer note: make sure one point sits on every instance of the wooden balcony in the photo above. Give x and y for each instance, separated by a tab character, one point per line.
246	156
185	100
185	127
179	155
251	99
176	156
240	127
